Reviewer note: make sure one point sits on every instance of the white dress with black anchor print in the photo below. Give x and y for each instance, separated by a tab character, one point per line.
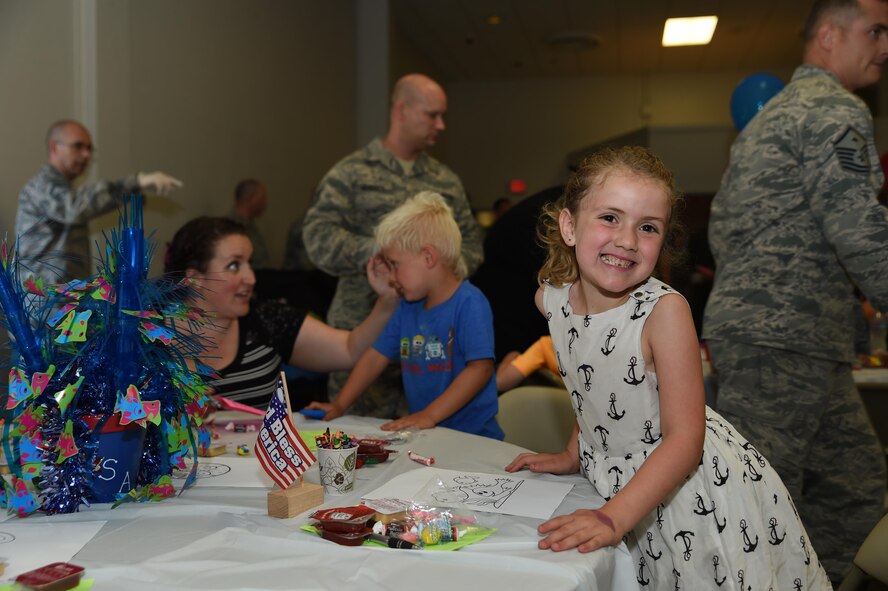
731	525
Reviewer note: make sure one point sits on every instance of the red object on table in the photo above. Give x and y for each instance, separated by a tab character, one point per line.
228	404
344	519
355	538
57	576
372	451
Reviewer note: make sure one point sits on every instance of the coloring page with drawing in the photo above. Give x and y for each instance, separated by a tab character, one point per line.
475	491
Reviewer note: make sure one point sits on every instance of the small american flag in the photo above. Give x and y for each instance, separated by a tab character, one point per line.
280	450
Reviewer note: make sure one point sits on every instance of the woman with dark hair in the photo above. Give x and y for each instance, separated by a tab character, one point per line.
247	341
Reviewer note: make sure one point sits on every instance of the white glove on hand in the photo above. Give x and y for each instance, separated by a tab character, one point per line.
157	182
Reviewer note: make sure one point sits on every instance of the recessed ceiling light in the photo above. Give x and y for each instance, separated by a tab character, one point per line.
695	30
494	19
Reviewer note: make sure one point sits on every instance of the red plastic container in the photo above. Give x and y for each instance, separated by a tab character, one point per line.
57	576
353	538
343	519
374	457
372	451
371	445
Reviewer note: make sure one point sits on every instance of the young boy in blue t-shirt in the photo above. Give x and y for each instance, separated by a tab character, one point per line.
442	331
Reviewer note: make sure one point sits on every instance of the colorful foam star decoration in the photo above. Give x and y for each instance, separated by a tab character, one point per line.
96	357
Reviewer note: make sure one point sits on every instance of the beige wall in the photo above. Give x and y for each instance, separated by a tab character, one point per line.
405	58
216	90
210	91
526	128
36	87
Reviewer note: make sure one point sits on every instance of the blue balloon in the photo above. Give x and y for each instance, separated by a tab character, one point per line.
750	96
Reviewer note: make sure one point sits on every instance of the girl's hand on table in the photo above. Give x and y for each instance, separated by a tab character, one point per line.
561	463
584	529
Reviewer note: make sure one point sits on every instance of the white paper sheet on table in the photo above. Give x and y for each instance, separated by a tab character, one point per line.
237	471
870	375
491	493
24	546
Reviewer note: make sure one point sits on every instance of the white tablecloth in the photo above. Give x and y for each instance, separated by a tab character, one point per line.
223	538
871	378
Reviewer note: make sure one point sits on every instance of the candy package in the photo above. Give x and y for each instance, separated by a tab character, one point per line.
425	525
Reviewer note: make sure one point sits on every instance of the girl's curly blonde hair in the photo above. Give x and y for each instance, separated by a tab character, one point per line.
560	267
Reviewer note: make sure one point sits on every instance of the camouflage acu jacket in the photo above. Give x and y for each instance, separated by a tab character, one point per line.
796	223
351	199
52	223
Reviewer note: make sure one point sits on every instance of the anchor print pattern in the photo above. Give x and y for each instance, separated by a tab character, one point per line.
751	472
643	579
650	548
617	473
637	313
560	365
685	537
602	434
720	479
677	576
703	511
587	372
774	538
709	533
805	550
648	437
612	409
718	581
748	544
579	398
608	347
631	379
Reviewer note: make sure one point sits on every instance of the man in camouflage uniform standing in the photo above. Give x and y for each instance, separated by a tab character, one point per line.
794	226
358	191
52	222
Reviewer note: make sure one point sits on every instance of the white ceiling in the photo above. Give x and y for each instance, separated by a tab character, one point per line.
752	35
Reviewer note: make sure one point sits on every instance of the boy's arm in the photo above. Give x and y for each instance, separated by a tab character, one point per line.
461	390
367	369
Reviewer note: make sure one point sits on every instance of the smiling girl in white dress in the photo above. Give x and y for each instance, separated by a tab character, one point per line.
697	505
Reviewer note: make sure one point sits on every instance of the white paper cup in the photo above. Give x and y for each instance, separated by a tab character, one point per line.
337	468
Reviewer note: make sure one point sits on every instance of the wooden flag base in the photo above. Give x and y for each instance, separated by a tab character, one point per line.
290	502
212	451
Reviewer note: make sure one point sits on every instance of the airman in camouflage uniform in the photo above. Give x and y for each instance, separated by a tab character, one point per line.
794	226
357	192
52	222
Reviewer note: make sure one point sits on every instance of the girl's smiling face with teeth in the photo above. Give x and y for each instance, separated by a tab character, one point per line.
227	284
617	235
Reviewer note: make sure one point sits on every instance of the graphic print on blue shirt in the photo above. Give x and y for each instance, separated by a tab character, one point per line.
433	346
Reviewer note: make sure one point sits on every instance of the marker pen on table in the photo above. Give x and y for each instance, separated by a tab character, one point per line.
393	542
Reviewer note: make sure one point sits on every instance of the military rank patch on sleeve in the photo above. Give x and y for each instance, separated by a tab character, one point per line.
851	151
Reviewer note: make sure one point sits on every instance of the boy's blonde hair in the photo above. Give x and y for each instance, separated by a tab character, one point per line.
424	219
560	267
